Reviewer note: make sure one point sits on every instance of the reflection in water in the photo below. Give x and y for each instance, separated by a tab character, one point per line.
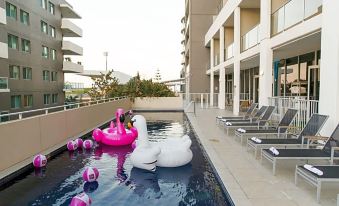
119	183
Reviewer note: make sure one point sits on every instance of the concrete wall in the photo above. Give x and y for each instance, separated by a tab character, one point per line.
249	18
276	4
45	133
158	103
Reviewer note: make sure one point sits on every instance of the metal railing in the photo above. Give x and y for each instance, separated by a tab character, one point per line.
305	108
244	96
47	110
250	39
73	85
293	12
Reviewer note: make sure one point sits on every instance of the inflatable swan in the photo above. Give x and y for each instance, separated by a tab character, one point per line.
172	152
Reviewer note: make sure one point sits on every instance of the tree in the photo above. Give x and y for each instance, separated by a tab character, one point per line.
104	86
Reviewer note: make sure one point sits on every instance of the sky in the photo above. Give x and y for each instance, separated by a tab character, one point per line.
139	35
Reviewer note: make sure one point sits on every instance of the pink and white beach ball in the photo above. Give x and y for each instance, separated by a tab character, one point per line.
88	144
79	142
39	160
72	145
90	174
81	200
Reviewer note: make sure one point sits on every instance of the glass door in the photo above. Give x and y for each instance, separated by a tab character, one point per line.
256	88
313	82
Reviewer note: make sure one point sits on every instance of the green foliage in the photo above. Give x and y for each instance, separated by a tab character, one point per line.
106	86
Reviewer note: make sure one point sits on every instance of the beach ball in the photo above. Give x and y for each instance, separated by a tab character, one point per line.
81	200
72	145
39	160
90	174
88	144
79	142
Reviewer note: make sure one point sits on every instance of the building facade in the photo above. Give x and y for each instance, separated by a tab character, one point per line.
273	52
198	18
34	53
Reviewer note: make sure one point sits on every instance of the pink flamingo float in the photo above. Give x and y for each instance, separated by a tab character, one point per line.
116	135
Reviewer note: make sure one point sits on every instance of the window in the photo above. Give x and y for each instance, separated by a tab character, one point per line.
44	27
54	76
45	75
5	118
15	101
53	54
28	100
14	72
51	8
54	98
52	31
27	73
24	17
45	52
13	41
47	98
11	10
25	45
43	4
3	83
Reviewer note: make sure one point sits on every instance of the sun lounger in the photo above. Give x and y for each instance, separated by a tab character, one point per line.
253	118
282	127
261	122
329	151
329	173
247	115
312	128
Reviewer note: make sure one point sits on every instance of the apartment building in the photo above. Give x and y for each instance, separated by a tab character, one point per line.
273	51
34	54
196	22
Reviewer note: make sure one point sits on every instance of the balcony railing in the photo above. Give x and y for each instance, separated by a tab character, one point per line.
216	60
73	85
294	12
229	51
250	39
4	84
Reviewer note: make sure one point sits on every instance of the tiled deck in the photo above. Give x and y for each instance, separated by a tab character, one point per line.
247	180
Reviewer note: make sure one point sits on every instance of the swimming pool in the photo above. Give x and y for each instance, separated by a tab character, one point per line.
119	183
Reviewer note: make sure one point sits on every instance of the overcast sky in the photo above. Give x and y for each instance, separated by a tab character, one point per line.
139	35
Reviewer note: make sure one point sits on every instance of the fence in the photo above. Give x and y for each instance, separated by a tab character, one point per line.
305	108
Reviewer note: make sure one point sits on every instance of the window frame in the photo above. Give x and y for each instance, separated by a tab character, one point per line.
54	76
44	4
43	25
51	5
53	54
54	98
21	17
20	102
24	73
48	99
48	75
11	67
29	101
23	45
10	38
43	54
52	31
8	11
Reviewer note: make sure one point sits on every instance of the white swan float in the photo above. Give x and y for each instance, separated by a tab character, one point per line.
171	152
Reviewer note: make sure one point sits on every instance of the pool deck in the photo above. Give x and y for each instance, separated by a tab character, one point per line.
247	180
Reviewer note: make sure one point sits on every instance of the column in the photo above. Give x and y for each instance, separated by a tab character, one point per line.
266	53
222	87
236	69
329	66
212	73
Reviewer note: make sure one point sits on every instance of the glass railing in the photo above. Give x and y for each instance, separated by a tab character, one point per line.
216	59
229	51
3	83
294	12
250	39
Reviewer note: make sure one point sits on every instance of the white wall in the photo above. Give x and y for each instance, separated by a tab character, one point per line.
158	103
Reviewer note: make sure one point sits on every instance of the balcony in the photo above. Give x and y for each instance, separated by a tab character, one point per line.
68	12
69	86
4	84
3	19
69	29
250	39
216	60
70	48
3	50
71	67
294	12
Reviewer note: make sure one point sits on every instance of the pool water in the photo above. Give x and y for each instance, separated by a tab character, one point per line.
119	183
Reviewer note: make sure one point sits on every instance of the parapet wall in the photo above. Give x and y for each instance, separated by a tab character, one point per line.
22	139
158	103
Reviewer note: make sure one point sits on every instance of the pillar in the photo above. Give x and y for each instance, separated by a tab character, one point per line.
329	66
266	54
236	69
222	84
212	73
